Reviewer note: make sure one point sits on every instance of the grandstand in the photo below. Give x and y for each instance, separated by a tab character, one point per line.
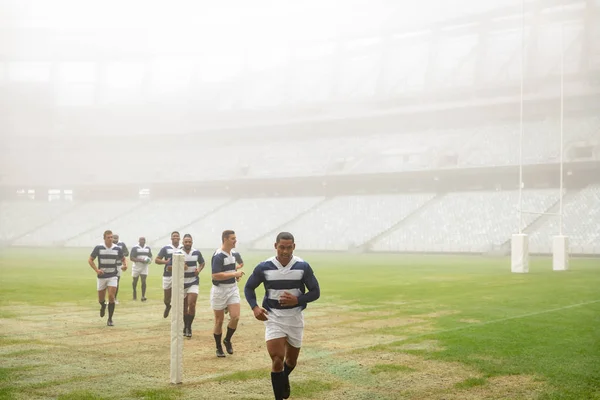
390	140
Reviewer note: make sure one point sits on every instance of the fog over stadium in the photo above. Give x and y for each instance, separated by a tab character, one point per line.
367	126
437	162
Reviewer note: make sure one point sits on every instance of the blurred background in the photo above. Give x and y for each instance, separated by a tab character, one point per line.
359	126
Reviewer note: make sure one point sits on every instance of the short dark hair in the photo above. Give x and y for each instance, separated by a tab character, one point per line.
187	235
174	232
284	236
107	232
226	234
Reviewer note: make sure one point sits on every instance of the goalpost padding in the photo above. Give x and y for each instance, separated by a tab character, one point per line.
519	256
177	319
560	253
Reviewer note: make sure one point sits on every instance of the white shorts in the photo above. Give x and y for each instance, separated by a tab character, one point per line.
137	271
103	283
223	295
167	282
191	289
291	328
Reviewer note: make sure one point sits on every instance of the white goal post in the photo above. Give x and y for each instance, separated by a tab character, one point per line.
177	318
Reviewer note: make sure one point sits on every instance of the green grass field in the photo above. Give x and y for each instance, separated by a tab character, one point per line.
385	327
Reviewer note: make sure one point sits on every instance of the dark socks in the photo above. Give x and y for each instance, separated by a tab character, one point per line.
111	310
144	286
278	381
229	334
218	340
287	369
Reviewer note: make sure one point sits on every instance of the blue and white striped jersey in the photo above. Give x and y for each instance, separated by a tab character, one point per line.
166	253
108	259
123	247
193	260
139	251
224	262
294	278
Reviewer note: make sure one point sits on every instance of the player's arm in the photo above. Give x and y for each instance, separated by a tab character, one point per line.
161	258
238	260
217	271
92	262
312	284
314	292
201	263
252	283
123	260
134	255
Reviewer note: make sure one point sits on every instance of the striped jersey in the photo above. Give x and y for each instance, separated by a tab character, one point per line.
293	278
123	247
224	262
108	259
193	260
139	251
166	253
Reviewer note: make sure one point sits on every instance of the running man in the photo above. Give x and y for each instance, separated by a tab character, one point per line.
164	256
109	255
125	254
141	255
194	263
285	278
225	292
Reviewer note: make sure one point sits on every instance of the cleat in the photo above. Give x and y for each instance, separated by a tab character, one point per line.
220	352
228	346
226	310
167	309
189	335
286	388
116	301
144	299
102	311
110	323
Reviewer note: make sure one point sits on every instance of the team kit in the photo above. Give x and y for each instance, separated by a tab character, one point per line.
289	283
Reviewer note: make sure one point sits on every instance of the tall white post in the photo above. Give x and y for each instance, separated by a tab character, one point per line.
519	261
177	318
560	243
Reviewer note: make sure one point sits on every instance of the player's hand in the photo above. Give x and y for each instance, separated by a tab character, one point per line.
238	275
170	268
260	313
196	272
100	272
288	300
124	268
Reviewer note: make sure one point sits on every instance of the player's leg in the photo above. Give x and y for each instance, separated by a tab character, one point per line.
289	363
167	282
143	277
234	317
218	331
118	280
112	289
276	348
136	276
218	302
101	286
185	312
191	308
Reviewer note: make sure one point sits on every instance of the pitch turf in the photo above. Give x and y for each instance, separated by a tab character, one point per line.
386	327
